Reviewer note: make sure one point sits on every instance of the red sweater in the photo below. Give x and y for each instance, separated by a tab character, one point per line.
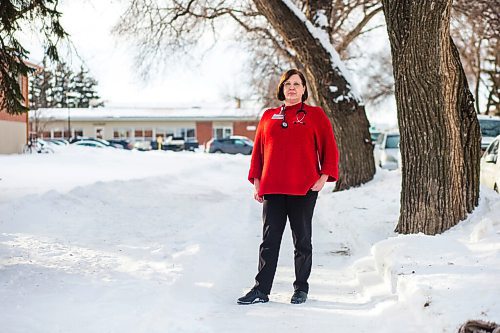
290	160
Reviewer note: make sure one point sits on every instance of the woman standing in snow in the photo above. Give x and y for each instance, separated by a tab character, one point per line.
294	155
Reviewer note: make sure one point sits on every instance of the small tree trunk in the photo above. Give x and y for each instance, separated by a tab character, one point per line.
440	138
331	90
478	76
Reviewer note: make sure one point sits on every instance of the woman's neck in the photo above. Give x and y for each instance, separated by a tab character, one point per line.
291	103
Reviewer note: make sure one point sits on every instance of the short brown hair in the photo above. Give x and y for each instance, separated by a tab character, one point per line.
279	93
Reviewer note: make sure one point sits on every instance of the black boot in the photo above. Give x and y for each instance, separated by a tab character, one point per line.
253	296
299	297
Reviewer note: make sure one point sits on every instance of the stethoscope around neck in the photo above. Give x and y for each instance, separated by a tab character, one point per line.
299	119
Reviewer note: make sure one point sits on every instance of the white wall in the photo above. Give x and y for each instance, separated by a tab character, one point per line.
12	137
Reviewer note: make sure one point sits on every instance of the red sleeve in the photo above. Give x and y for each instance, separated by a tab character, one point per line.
257	154
328	154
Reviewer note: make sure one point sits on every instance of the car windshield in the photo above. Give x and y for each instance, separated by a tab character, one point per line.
248	142
374	135
489	127
392	141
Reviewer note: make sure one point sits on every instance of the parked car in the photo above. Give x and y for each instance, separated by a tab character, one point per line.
78	138
490	166
191	144
374	133
231	145
60	142
173	143
101	141
386	151
90	143
490	128
43	147
170	143
142	145
121	143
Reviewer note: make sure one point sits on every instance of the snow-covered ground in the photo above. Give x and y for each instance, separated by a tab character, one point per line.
123	241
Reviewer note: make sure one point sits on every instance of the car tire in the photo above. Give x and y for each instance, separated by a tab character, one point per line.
218	151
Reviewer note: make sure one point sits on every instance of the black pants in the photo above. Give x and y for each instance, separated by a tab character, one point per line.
299	209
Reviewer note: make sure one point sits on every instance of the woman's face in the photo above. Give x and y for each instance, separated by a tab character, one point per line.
293	89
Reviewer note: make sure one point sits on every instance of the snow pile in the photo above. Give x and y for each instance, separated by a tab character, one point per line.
121	241
447	276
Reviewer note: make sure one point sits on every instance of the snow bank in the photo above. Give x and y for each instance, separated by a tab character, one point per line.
449	277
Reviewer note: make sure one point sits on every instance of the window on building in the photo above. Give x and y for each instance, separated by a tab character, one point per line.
190	133
186	132
179	132
99	132
143	134
163	133
78	132
57	134
20	82
222	132
121	133
139	134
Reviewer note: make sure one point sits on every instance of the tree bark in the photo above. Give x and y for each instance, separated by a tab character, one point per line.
347	115
313	7
440	137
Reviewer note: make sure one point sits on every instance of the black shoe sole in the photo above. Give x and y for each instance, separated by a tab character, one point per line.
297	302
255	301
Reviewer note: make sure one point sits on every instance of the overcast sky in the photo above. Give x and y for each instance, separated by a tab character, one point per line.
111	62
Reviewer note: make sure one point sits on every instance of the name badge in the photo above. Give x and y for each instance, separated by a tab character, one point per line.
277	116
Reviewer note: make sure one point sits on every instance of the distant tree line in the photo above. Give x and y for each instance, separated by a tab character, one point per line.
58	86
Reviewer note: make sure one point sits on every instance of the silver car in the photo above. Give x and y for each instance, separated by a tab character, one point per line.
386	150
490	166
231	145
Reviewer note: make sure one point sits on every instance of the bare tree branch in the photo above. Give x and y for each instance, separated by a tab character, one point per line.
357	30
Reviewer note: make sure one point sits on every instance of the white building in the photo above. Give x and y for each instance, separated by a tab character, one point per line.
144	124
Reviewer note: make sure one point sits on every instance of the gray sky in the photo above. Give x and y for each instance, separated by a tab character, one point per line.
111	62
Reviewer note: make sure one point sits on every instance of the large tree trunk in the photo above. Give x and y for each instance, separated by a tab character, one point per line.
440	138
331	90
